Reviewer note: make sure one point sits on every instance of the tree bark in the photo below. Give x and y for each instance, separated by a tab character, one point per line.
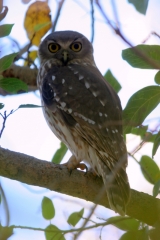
26	74
32	171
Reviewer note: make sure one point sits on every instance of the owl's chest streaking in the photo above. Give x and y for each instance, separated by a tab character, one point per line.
56	85
81	110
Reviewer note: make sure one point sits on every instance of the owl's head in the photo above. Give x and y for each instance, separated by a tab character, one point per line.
66	47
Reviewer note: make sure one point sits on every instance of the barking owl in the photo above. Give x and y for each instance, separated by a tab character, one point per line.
84	111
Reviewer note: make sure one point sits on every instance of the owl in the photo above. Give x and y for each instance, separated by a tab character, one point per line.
84	111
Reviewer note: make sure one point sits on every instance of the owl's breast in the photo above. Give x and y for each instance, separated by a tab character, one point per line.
82	106
55	88
66	134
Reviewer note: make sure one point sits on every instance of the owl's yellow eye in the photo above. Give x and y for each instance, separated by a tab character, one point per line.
76	46
53	47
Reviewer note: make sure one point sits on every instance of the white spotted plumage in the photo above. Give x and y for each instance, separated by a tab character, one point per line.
84	112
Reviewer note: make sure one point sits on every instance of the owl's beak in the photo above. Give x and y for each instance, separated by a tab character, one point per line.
65	56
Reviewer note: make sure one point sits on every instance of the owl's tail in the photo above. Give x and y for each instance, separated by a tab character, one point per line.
116	184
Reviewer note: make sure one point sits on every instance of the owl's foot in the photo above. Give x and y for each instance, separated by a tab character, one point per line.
82	166
74	164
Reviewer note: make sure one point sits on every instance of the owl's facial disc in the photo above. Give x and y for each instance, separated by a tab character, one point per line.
65	51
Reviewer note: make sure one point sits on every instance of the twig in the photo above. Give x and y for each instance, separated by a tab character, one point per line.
22	51
74	229
5	116
115	13
29	45
145	140
139	146
60	4
29	61
92	20
80	4
5	205
119	33
90	220
100	235
152	33
15	42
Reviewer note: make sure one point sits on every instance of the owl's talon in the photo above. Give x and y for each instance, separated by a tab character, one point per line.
70	169
82	166
74	164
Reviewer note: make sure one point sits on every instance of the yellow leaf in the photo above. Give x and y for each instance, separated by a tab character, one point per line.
38	14
40	26
31	57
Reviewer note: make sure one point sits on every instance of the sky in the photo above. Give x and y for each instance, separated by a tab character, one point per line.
27	132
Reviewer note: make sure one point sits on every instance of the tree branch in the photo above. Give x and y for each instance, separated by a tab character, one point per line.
26	74
60	5
32	171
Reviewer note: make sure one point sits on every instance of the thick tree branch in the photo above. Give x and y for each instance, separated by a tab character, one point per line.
27	169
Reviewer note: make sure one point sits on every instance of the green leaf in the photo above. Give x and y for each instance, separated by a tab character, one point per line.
5	232
5	29
13	85
75	217
1	105
149	169
59	154
40	26
156	189
140	5
153	137
6	61
124	223
157	77
131	55
139	106
48	210
156	144
112	81
135	235
53	233
149	137
29	106
142	132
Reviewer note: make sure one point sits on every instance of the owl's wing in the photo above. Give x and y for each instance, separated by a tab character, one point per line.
87	103
90	106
